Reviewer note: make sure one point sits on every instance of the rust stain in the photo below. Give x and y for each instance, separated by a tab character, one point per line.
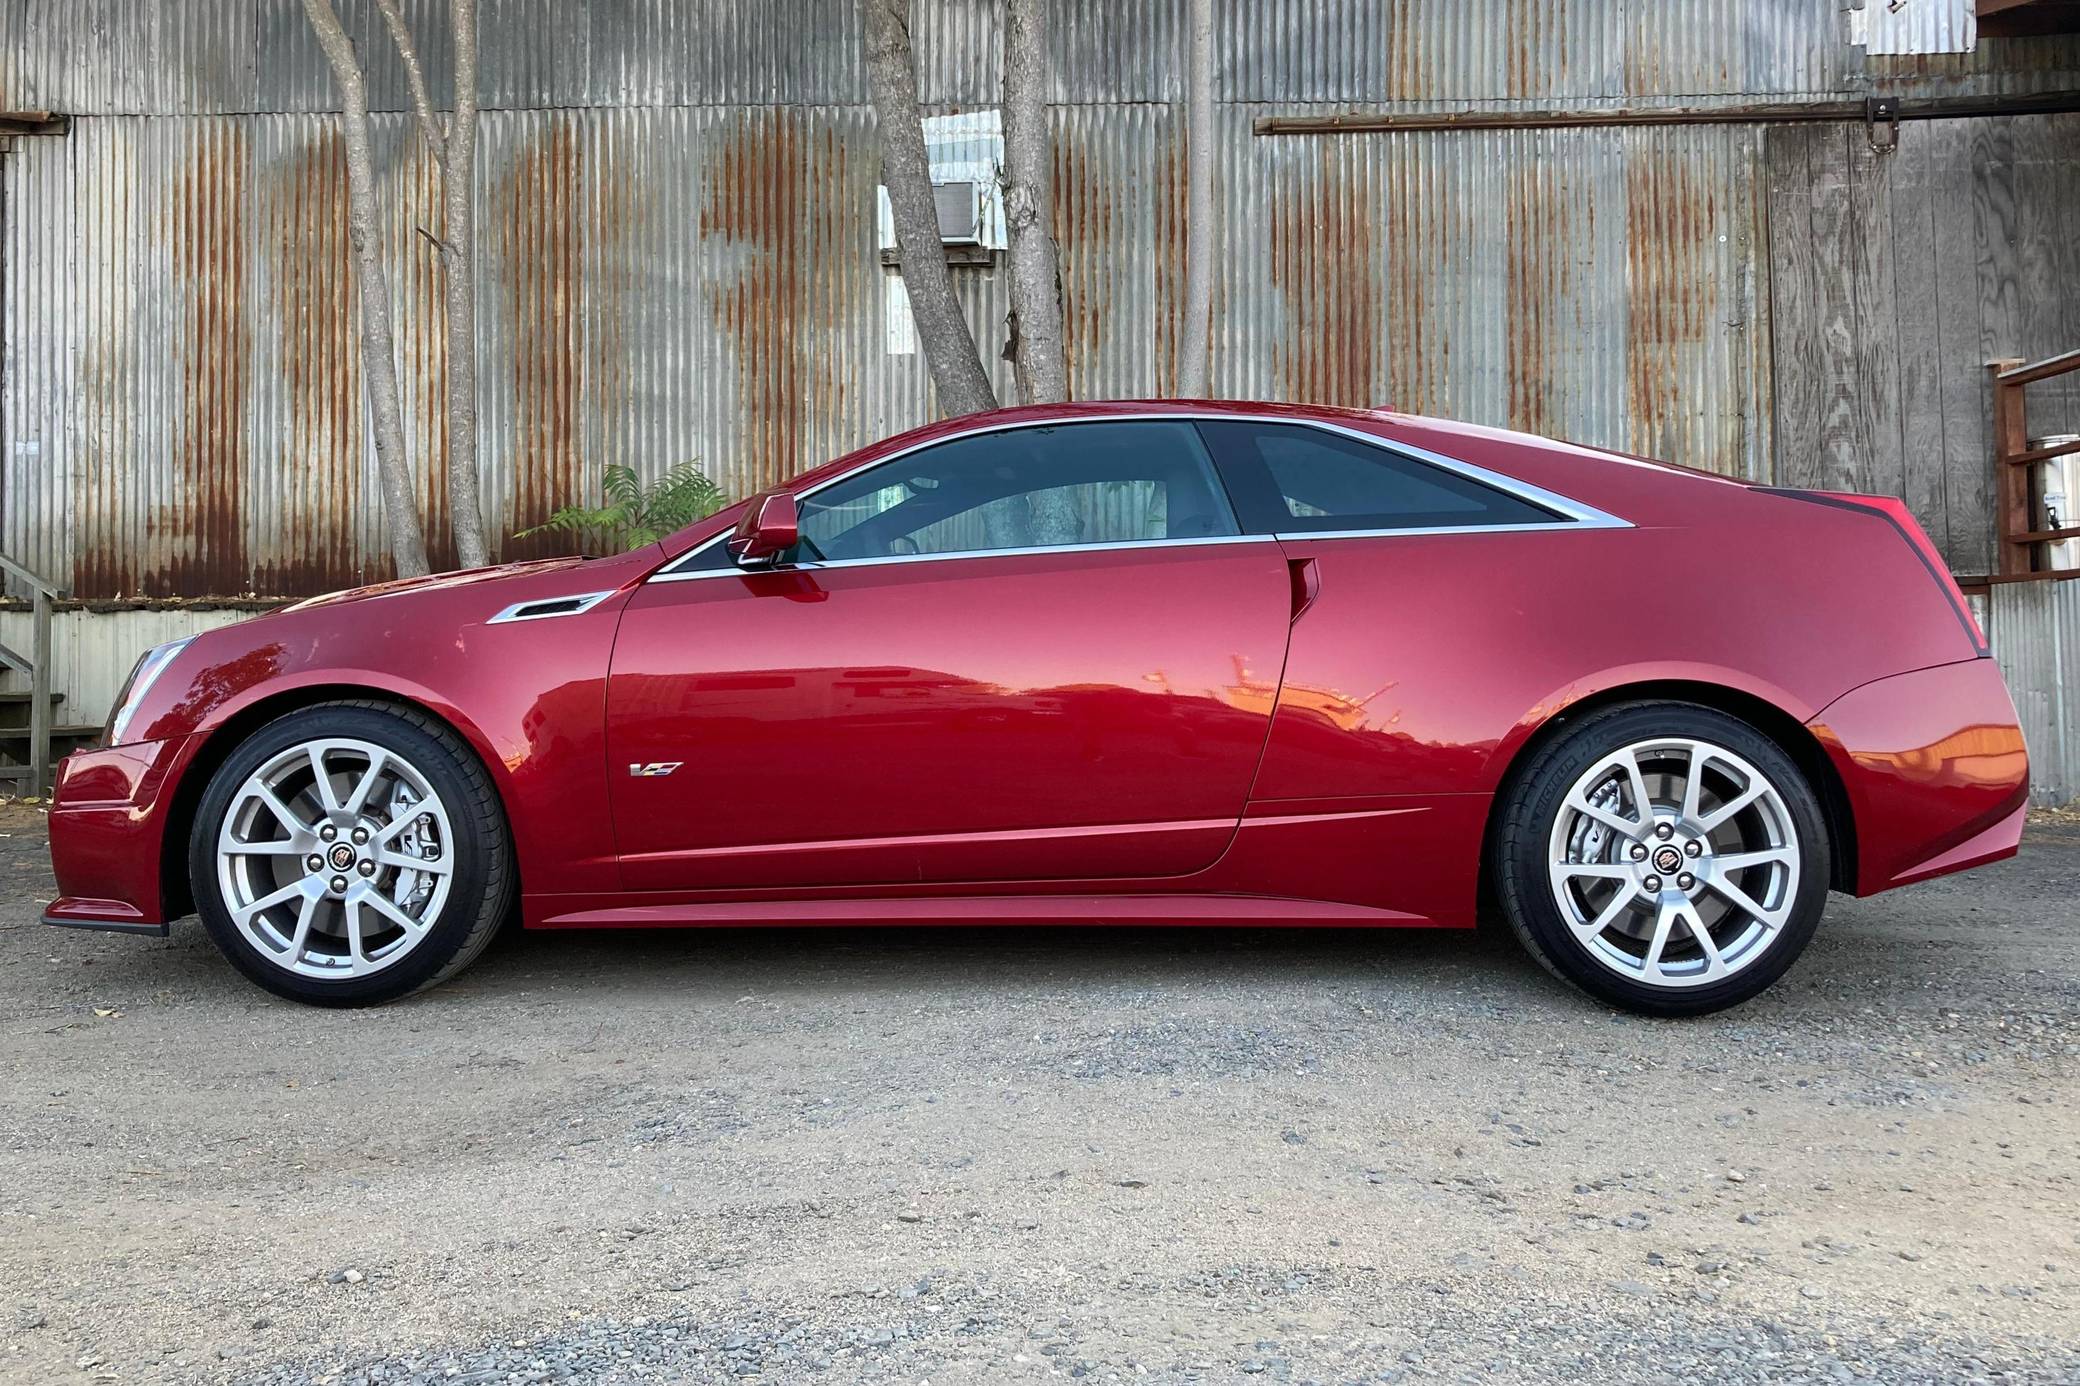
1409	70
541	239
1323	265
318	348
1082	224
1173	226
1669	219
1537	59
619	216
1425	233
1539	278
201	529
421	328
840	247
752	213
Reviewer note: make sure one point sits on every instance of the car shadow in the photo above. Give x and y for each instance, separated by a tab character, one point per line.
938	957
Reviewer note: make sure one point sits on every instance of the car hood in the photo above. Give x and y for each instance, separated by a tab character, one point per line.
431	581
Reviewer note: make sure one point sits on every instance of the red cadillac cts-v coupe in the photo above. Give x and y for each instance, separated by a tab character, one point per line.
1159	662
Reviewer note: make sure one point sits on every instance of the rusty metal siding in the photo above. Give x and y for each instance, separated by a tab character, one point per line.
187	57
37	357
1597	285
701	284
679	260
2036	637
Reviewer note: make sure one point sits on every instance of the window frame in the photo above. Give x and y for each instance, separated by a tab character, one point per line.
1569	514
1184	430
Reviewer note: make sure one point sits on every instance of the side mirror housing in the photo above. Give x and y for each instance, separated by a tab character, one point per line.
770	526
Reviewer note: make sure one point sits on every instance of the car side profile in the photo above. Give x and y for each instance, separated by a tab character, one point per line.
1150	662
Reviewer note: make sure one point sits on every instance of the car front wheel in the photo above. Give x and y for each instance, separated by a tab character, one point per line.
351	853
1665	857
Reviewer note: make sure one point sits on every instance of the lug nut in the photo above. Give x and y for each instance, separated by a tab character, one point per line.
1686	880
314	862
368	868
1694	848
327	833
1663	831
1652	883
360	835
1639	853
339	885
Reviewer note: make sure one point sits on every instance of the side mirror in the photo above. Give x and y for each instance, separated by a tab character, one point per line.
770	526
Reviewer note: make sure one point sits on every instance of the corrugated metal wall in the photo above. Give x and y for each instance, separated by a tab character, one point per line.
676	208
2036	636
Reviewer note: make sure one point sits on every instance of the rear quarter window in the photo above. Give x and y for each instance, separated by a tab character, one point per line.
1289	478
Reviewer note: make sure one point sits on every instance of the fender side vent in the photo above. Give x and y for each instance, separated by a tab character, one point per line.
542	608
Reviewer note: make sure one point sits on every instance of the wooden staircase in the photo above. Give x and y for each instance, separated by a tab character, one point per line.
30	737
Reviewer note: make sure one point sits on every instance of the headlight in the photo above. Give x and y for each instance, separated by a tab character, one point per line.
149	666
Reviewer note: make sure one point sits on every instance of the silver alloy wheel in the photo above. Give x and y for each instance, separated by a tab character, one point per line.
1675	862
335	858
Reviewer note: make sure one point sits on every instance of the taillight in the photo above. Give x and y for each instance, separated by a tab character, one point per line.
1894	512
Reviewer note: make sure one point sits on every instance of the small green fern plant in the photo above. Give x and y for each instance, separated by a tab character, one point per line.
632	514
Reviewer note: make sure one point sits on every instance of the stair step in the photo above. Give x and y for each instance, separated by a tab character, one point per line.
70	730
17	698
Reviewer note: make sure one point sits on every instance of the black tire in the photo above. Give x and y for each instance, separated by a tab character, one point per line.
479	899
1522	846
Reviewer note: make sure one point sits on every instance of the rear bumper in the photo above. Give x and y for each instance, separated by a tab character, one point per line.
1935	769
107	825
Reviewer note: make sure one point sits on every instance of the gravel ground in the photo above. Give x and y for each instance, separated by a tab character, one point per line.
1006	1155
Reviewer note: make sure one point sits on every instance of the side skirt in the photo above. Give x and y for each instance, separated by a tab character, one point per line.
550	912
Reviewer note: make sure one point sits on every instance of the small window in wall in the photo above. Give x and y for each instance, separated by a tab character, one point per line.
1289	478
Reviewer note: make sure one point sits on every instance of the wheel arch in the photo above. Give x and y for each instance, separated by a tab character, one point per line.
1784	729
225	736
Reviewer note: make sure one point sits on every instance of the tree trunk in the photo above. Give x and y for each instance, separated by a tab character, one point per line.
459	254
455	152
1037	358
1195	342
949	346
378	356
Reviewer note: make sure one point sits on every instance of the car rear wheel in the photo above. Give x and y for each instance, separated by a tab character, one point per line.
1665	857
351	853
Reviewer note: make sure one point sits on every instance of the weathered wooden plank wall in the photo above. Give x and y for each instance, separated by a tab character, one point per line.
1894	278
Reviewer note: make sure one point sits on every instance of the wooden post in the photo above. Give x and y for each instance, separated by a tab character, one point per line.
2010	486
40	692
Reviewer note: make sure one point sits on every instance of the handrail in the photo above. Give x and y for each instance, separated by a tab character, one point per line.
27	578
2019	374
38	667
2016	532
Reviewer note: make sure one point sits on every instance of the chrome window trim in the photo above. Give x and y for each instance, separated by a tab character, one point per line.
1578	515
518	611
819	565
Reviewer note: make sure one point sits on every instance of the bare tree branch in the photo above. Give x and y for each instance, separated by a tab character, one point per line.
1195	344
378	353
949	344
1039	360
458	183
422	104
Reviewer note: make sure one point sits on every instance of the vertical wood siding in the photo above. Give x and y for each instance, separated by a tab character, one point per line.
1894	278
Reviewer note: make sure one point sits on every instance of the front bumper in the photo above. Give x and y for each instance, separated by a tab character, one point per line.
1935	768
108	827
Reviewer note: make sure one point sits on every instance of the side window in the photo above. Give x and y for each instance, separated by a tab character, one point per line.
1044	487
1288	477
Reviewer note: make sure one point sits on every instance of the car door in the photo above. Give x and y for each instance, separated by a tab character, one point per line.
1026	653
1413	655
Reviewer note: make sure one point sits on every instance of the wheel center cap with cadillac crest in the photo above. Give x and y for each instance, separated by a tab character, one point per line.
342	857
1667	860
